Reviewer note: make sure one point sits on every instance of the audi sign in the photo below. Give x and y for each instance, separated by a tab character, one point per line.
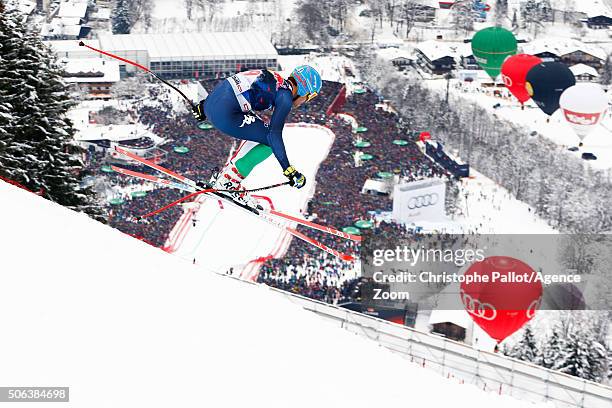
425	200
419	201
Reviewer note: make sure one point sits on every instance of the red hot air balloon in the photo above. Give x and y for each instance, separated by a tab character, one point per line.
514	71
504	303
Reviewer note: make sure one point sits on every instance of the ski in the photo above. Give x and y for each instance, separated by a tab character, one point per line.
157	167
192	183
316	226
153	179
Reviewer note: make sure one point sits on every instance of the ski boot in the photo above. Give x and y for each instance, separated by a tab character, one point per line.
230	179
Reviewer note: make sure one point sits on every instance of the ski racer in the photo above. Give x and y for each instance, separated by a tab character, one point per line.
231	108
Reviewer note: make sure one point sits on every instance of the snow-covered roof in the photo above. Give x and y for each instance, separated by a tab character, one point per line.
24	6
71	48
562	46
101	14
392	53
81	70
72	8
68	26
188	46
581	69
434	49
68	20
114	133
458	317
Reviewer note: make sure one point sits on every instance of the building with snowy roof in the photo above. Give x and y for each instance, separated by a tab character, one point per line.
64	28
95	76
569	51
597	22
584	72
73	8
133	137
437	57
452	324
193	55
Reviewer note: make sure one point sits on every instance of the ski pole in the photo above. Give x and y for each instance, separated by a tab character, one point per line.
82	44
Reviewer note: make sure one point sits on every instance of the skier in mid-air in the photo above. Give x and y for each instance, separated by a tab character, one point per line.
231	108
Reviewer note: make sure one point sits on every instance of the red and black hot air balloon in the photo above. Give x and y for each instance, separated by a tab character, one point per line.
514	73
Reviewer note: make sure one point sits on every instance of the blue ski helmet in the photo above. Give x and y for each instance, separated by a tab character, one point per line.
308	81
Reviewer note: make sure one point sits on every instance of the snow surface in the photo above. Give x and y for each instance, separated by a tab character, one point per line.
124	325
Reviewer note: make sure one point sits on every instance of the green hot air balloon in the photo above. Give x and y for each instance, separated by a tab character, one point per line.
491	46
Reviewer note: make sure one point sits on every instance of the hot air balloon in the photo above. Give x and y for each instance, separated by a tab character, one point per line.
583	106
546	82
491	46
503	303
514	71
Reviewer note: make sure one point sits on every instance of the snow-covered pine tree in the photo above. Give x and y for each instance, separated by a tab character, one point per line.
120	17
526	349
583	356
552	349
37	136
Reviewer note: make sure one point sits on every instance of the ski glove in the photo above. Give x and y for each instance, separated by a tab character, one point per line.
198	112
296	179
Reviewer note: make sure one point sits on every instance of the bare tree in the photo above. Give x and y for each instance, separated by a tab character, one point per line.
606	75
408	13
463	16
312	20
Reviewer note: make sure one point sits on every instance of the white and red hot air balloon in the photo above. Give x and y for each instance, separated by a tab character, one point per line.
583	106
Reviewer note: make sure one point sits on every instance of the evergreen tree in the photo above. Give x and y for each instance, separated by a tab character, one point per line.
35	135
526	349
583	356
120	17
552	349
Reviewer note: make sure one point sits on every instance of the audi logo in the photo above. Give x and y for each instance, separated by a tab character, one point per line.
474	306
426	200
533	307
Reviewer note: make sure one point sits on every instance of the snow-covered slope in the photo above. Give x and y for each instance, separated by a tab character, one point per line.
127	325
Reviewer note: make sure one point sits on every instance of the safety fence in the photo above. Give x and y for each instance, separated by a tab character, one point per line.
489	371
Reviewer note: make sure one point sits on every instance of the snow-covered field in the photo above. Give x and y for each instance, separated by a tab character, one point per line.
250	238
490	209
125	325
